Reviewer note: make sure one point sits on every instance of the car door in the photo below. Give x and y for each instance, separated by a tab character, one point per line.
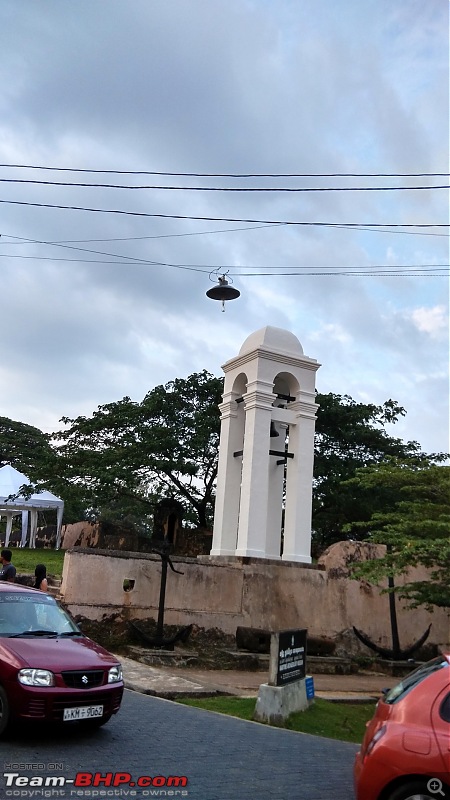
440	720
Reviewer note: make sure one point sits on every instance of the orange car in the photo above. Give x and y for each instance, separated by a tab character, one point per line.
405	754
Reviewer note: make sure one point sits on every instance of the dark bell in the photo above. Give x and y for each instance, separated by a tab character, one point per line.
273	430
223	291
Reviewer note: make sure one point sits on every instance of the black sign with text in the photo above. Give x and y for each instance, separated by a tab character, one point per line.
291	656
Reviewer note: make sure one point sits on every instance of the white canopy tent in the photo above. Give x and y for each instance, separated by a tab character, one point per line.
11	480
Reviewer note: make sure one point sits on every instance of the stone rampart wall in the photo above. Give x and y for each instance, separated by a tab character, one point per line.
225	594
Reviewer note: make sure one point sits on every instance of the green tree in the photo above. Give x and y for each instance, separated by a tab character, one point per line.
129	454
415	527
350	435
31	452
115	464
26	448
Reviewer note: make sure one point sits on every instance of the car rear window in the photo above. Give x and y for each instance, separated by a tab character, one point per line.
413	679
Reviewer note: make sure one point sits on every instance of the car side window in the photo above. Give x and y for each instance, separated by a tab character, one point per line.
444	710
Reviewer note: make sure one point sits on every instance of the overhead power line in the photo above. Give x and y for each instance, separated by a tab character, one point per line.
202	233
156	236
241	189
404	270
413	270
234	174
119	260
351	225
116	259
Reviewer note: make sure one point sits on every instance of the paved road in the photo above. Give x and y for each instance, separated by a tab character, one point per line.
222	757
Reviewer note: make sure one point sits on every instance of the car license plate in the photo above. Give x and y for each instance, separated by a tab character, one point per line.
82	712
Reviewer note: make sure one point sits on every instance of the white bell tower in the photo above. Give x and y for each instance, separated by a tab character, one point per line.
264	481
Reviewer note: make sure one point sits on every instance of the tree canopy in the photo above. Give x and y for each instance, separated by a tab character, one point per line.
129	454
118	462
350	435
414	524
26	448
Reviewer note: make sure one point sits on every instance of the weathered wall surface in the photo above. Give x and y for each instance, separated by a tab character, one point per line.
79	534
247	592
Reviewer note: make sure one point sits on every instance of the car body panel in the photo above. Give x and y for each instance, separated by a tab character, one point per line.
80	667
441	727
59	653
406	738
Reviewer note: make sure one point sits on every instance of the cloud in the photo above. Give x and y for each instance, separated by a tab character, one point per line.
433	321
233	86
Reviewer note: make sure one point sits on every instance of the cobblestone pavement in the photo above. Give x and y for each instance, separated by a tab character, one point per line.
223	758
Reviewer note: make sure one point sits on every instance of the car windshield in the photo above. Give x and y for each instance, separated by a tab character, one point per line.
413	679
29	614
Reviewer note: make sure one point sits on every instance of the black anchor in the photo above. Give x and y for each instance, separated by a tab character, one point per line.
395	653
158	641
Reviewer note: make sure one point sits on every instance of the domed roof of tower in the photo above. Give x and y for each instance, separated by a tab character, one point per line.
276	340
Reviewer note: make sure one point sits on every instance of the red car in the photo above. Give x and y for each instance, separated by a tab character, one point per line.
50	671
405	754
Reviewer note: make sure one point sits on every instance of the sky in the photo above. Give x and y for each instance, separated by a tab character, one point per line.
349	98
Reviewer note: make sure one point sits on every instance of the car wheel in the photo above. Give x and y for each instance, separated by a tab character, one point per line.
4	711
420	790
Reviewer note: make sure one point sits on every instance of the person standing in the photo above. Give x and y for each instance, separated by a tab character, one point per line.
8	571
40	573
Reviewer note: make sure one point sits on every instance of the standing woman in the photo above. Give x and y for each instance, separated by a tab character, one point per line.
41	577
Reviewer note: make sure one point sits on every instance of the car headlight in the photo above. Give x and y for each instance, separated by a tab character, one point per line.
115	674
36	677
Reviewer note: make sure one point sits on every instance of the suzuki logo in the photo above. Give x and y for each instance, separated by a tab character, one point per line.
84	679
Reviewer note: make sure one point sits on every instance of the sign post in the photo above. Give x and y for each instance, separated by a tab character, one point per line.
286	690
287	657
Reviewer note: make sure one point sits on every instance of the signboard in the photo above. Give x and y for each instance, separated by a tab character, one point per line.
309	686
290	653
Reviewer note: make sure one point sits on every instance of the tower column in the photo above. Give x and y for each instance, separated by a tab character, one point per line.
275	496
297	515
253	517
226	513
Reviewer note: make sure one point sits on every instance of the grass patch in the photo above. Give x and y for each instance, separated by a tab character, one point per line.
346	722
25	559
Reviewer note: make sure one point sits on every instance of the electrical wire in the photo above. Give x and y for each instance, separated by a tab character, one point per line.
412	270
207	233
141	261
240	189
167	235
350	225
368	271
233	174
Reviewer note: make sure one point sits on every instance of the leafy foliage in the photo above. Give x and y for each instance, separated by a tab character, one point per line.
26	448
116	464
415	527
128	454
31	451
350	435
